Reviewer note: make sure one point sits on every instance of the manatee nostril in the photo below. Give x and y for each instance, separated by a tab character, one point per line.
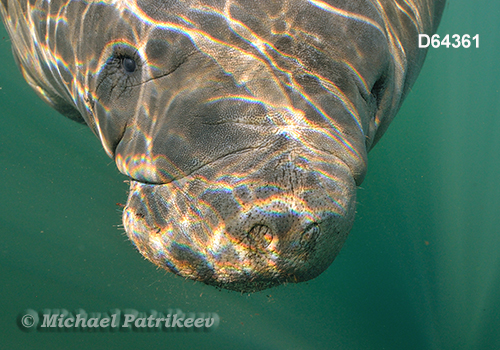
260	236
310	235
129	64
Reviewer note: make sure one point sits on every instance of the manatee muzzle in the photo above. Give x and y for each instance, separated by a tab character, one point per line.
246	222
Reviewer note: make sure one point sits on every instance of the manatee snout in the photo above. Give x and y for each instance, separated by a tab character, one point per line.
246	222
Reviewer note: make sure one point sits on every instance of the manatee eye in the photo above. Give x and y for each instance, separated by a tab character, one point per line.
129	65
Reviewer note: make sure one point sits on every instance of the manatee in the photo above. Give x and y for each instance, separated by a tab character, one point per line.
243	125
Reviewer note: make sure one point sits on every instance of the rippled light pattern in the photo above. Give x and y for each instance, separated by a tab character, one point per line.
244	126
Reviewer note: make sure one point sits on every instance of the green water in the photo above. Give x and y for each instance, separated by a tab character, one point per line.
420	270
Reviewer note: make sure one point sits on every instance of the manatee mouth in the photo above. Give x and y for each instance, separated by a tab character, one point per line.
246	225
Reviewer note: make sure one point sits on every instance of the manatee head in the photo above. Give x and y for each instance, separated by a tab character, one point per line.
243	126
244	138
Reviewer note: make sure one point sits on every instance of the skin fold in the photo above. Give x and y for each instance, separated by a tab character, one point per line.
243	125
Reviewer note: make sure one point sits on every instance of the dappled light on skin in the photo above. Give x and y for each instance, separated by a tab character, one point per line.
243	126
347	14
178	227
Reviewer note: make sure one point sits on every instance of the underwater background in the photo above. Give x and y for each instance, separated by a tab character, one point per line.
420	269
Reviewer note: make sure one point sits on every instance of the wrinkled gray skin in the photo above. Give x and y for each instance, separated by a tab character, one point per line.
243	125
